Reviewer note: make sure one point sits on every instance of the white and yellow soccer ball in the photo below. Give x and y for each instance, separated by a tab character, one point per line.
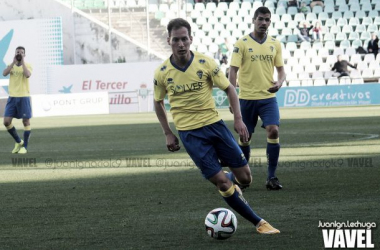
221	223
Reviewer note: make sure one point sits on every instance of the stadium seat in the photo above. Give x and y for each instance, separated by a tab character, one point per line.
360	14
317	75
299	54
245	6
330	45
285	54
234	6
333	81
323	52
231	13
360	28
336	15
366	7
353	21
312	53
331	59
317	45
286	18
311	16
349	51
317	9
294	83
328	9
345	80
303	76
340	37
338	51
356	43
355	58
325	67
330	22
377	20
362	65
222	6
357	80
373	13
317	61
345	44
293	24
328	74
299	17
372	28
348	14
355	73
369	58
200	7
376	72
343	8
353	36
367	73
280	11
329	37
298	68
286	32
365	36
335	29
307	82
319	82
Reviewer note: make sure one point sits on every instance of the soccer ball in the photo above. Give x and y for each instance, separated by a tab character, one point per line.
221	223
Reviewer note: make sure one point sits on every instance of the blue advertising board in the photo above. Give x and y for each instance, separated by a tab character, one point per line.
315	96
323	96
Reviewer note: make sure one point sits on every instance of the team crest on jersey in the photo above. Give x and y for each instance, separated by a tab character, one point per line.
163	68
250	50
200	74
236	50
216	71
170	81
202	61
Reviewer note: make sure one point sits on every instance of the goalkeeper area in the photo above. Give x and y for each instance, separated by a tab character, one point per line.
108	182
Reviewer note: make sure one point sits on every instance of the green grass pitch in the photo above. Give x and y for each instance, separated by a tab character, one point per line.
108	182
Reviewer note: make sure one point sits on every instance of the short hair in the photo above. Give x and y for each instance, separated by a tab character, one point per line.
178	23
20	47
261	10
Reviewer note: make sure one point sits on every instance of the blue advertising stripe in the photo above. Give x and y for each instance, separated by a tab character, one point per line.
322	96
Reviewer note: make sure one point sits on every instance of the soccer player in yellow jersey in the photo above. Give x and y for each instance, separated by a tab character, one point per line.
18	104
254	58
187	77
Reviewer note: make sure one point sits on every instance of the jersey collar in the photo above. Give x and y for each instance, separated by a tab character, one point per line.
187	65
259	42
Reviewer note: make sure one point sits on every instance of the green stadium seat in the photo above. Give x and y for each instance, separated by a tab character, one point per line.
357	43
345	44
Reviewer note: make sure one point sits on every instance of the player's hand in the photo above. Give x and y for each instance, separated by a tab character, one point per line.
276	87
14	60
172	143
242	130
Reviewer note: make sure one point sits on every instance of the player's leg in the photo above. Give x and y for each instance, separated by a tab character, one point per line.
236	201
26	111
10	112
270	116
250	117
27	131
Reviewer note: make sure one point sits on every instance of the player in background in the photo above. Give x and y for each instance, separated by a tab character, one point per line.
187	77
254	57
18	104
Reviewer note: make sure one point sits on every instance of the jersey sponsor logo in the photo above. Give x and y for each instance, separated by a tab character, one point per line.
195	86
200	74
262	58
163	68
236	50
202	61
250	50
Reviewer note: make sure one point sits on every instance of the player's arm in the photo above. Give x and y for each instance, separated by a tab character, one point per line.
8	69
239	125
172	142
281	78
25	69
232	76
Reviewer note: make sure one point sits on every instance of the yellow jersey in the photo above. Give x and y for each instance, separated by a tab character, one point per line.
189	90
18	83
256	62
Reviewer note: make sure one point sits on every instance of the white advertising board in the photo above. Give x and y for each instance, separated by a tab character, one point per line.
70	104
130	85
42	40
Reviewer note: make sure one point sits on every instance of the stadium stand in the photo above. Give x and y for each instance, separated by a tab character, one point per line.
347	26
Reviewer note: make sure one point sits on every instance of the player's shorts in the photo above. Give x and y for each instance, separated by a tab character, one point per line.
18	107
209	144
266	109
